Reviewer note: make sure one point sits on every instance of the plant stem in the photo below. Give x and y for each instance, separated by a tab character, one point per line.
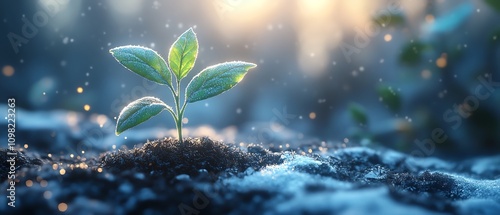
178	121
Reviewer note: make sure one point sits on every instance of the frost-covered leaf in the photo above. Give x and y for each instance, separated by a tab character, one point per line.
139	111
183	54
216	79
144	62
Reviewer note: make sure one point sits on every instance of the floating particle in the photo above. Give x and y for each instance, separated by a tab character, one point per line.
312	115
239	110
354	73
441	62
388	37
29	183
79	90
8	71
47	194
185	120
426	74
62	207
86	107
62	171
429	18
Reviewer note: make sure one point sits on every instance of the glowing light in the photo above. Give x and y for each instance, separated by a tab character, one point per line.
442	61
388	37
101	120
426	74
99	169
429	18
29	183
43	183
62	171
47	194
79	90
312	115
8	71
86	107
72	118
185	120
25	146
62	207
55	166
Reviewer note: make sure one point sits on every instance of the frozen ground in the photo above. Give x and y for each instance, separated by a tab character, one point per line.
208	177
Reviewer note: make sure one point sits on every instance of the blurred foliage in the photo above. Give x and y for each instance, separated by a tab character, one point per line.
358	113
495	4
495	36
390	98
412	53
393	20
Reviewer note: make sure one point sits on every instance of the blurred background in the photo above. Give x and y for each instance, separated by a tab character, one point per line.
416	76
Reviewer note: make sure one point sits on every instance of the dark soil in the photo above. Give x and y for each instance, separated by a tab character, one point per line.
168	158
202	176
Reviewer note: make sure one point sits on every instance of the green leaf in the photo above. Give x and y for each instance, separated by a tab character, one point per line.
358	114
139	111
183	54
390	98
144	62
216	79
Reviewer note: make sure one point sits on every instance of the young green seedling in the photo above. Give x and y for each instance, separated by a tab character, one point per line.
145	62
